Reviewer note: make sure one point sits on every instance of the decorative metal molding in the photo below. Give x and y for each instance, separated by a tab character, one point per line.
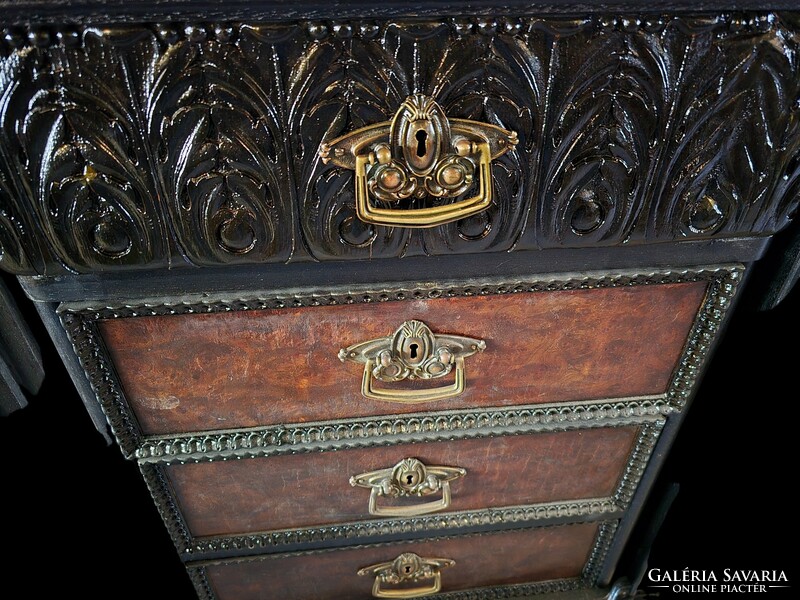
80	324
637	463
198	577
91	353
167	507
509	516
704	331
520	590
130	147
605	536
366	432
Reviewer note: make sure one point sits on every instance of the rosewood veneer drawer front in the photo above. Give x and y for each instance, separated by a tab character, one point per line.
508	558
312	489
238	369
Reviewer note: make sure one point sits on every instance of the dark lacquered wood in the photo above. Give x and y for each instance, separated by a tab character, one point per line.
249	368
280	492
560	188
489	559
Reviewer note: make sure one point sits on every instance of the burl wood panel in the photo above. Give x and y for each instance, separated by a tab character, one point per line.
261	494
482	560
249	368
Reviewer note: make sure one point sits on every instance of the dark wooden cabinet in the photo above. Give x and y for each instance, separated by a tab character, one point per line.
173	201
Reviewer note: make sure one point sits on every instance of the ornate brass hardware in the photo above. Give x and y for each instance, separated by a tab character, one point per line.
408	567
420	153
413	352
409	477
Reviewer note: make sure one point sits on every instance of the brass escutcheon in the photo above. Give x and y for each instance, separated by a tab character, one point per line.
413	352
409	477
408	567
420	153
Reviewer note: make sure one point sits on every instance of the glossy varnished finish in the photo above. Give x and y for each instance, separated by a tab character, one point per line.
241	369
112	11
489	559
129	147
260	494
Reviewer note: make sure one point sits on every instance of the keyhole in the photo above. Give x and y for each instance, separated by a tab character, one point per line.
422	137
408	569
413	348
409	479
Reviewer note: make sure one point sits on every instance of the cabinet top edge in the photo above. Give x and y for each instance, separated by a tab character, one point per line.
18	12
209	281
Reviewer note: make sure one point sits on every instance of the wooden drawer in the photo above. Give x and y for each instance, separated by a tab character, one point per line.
508	558
240	369
226	498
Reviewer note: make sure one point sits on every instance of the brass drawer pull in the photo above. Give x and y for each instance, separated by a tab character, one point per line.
409	477
420	153
408	567
413	352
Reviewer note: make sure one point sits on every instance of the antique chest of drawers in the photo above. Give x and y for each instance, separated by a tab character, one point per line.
390	303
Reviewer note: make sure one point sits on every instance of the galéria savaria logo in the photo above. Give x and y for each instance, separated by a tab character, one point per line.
737	581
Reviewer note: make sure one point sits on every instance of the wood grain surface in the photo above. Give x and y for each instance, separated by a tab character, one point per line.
261	494
481	560
244	369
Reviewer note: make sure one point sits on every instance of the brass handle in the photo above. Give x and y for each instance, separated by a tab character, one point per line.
412	352
420	153
409	477
408	567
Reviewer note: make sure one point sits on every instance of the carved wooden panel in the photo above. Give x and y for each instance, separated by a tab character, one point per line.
142	146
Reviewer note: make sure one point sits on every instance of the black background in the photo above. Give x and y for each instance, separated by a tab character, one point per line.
79	518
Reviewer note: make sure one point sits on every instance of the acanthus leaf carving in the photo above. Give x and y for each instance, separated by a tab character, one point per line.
213	117
733	133
475	81
341	84
130	147
602	119
20	248
90	184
